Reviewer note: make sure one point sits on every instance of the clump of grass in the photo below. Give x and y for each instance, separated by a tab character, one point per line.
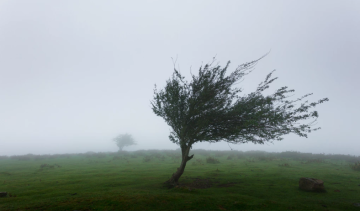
355	166
212	160
284	165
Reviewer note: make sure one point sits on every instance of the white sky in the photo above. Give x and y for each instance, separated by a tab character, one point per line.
74	74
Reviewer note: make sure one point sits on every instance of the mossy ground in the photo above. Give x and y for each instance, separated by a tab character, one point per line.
130	182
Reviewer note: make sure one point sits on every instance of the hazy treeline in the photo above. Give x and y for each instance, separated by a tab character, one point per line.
261	155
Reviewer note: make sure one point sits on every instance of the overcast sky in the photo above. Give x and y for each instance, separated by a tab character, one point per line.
75	74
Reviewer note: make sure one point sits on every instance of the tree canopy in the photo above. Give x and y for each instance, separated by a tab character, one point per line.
210	108
124	140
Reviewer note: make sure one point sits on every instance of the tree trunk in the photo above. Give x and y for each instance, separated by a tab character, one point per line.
174	180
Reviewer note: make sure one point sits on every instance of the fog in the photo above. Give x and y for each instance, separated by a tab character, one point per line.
75	74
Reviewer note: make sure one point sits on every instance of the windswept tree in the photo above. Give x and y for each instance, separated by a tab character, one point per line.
210	109
124	140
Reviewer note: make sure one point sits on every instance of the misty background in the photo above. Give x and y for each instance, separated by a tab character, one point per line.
75	74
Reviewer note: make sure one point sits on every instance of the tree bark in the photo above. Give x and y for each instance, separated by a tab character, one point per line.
174	180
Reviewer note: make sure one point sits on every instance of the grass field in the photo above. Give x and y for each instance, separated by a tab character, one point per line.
133	181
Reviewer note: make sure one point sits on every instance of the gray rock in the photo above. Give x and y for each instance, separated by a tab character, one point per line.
311	184
3	194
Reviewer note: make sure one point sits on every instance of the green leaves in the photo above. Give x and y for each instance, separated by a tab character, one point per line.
124	140
209	109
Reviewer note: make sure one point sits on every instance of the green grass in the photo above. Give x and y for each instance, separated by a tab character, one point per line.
94	182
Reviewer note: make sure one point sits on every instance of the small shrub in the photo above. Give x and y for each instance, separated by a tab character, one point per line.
212	160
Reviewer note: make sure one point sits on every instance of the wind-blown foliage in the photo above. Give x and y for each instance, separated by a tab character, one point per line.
210	109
